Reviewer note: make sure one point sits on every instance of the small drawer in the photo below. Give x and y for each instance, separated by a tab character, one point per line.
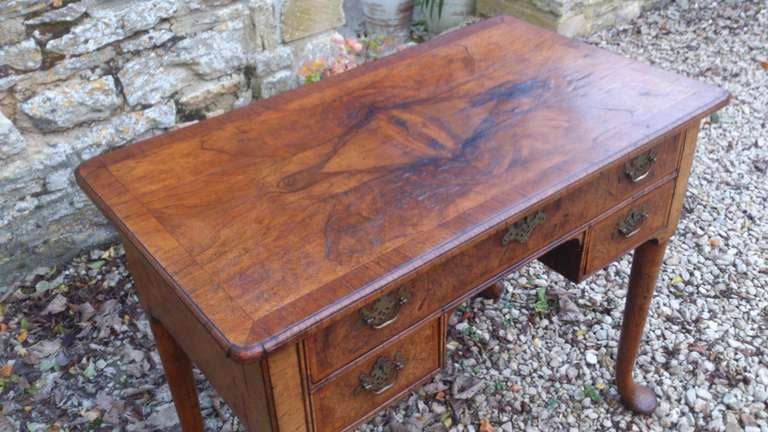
632	175
628	227
377	379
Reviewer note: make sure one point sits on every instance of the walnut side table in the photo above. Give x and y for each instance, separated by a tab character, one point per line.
304	251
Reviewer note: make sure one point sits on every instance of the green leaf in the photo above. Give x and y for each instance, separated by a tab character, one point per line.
48	364
89	371
446	419
24	324
542	304
95	265
591	393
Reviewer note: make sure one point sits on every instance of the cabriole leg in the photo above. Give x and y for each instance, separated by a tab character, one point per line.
645	269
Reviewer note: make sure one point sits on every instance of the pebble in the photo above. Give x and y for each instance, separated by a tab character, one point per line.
690	397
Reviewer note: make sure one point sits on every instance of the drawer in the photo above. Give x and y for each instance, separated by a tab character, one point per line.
377	378
400	306
631	175
628	227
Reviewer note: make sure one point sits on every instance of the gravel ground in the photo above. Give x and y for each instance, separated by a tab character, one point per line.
76	352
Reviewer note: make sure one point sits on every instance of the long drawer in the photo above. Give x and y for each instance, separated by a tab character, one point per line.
397	308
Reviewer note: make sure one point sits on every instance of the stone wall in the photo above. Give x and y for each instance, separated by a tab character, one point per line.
568	17
78	78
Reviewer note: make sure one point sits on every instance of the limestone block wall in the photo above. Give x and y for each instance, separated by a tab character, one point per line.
569	17
80	77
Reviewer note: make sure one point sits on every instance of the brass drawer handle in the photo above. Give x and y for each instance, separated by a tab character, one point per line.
382	376
385	310
522	229
632	222
639	167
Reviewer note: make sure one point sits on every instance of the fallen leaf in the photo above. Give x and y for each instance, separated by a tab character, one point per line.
763	63
43	349
6	370
89	371
440	396
676	280
485	426
466	387
22	336
91	415
86	311
6	425
131	354
95	265
57	305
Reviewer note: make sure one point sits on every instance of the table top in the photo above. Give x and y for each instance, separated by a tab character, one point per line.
271	218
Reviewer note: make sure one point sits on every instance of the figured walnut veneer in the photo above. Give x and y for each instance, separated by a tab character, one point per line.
260	239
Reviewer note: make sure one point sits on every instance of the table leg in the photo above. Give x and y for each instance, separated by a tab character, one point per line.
493	292
178	372
645	269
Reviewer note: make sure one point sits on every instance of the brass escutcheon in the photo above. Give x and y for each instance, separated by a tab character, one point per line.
522	229
639	167
632	222
385	310
382	376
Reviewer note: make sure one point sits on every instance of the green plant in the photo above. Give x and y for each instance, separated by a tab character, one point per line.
542	304
429	6
591	393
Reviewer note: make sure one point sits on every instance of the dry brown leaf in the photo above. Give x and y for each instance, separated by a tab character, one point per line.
22	336
58	3
57	305
6	370
485	426
763	63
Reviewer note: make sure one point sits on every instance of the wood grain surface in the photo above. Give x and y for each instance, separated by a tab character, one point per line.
271	218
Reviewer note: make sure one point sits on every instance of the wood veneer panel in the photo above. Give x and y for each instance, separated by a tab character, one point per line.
285	374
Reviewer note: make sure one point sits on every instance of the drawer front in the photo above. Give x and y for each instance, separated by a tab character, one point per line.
628	227
640	170
400	306
377	379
